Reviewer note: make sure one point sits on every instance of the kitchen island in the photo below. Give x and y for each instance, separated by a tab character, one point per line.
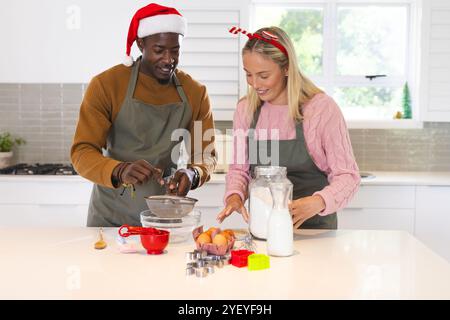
61	263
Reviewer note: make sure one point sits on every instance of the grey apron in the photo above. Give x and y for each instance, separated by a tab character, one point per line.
140	131
301	170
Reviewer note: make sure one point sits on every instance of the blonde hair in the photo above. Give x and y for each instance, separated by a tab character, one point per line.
299	88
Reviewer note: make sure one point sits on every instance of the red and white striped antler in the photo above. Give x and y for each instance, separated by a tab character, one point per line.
236	30
266	37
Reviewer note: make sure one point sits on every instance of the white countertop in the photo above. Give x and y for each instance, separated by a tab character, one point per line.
380	178
60	263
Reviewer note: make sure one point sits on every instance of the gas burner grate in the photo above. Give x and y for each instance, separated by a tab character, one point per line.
39	169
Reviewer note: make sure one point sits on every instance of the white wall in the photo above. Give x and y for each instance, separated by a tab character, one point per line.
62	40
70	41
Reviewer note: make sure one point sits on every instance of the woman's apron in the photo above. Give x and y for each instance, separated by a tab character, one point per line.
301	170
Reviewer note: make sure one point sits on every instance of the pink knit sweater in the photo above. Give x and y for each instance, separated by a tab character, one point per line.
327	141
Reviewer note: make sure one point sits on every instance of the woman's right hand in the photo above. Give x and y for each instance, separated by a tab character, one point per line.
233	203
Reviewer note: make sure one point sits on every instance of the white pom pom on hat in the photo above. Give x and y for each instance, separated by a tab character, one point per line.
153	19
128	61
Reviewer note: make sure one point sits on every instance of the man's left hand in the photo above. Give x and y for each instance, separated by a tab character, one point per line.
181	182
304	208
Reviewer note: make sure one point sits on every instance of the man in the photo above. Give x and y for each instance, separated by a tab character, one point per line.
130	111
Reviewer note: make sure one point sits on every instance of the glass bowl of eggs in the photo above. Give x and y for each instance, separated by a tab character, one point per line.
180	228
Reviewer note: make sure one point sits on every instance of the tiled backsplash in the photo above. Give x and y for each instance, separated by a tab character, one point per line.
45	116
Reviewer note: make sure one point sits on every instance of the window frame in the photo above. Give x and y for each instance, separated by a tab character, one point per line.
330	79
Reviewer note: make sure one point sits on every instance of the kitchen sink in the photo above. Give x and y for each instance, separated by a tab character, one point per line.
366	175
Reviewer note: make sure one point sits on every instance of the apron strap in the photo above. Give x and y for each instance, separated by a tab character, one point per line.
180	89
251	131
299	130
133	80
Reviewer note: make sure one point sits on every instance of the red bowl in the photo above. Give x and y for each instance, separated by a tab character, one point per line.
155	241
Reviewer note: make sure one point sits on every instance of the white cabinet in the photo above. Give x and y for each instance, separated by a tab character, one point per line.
433	218
43	215
377	219
380	207
47	202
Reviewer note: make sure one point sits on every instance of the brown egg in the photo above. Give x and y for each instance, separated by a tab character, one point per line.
203	238
211	230
220	240
227	236
229	232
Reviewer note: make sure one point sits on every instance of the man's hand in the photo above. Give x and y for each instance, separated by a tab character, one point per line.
233	203
181	182
304	208
138	172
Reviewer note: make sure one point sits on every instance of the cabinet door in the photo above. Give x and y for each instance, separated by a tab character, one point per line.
433	218
384	197
43	215
376	219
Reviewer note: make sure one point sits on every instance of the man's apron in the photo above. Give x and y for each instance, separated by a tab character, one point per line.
140	131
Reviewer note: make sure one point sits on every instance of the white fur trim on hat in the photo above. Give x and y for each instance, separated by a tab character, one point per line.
127	61
161	24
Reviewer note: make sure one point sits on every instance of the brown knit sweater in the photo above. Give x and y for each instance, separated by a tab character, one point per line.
101	104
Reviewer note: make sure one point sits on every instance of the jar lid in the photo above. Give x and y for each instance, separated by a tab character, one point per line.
270	171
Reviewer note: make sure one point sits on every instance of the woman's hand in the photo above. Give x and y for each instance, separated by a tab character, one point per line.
233	203
304	208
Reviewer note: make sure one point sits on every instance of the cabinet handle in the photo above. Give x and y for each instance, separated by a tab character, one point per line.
57	204
353	209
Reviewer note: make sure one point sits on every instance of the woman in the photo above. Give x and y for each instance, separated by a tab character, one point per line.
314	143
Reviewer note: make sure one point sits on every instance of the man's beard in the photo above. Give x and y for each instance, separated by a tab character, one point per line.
165	81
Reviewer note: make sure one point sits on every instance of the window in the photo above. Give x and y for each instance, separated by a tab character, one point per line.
359	52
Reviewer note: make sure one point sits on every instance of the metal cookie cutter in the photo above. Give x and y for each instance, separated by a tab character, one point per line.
190	271
201	272
248	243
210	269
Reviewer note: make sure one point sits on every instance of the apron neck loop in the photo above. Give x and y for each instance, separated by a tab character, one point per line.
134	77
179	88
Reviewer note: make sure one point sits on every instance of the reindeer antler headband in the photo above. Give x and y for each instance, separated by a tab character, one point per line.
265	36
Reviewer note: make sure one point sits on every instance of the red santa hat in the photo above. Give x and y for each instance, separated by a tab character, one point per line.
153	19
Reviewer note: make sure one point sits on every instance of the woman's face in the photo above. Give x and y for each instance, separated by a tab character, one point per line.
266	77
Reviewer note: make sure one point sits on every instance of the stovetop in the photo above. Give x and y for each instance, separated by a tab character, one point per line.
40	169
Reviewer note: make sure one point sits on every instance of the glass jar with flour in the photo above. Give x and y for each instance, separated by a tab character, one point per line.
260	198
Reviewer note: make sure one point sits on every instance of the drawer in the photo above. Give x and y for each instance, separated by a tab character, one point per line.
384	197
377	219
48	192
43	215
45	192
